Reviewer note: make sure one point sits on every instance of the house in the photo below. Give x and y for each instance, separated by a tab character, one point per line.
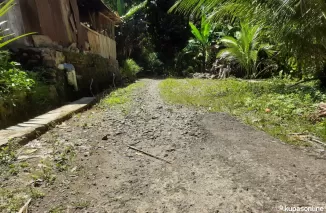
78	32
86	24
67	32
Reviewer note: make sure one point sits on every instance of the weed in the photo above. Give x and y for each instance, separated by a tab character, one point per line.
7	160
57	209
24	165
13	169
63	159
35	193
81	204
7	154
121	97
78	115
11	200
45	173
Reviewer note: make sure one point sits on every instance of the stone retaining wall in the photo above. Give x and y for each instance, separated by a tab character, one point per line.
94	75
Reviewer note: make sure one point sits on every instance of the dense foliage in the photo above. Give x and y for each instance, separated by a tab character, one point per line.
295	27
13	81
130	69
152	37
244	48
200	35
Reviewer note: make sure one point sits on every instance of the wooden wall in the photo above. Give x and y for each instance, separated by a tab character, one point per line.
60	20
101	44
31	21
55	21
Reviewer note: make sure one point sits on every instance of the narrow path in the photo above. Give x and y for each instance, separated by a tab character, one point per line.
217	163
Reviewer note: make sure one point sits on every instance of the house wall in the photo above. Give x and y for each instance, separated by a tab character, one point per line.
31	20
60	20
100	44
55	21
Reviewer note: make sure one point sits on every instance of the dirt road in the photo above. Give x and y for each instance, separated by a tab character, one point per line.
215	163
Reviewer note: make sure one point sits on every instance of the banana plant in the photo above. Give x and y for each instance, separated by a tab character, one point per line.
202	36
121	7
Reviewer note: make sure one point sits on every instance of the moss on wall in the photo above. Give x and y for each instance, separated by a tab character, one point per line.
94	71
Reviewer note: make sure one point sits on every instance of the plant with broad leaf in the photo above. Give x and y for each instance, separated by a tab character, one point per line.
13	81
201	39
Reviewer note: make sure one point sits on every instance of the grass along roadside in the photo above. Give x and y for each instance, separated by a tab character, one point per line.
121	97
272	106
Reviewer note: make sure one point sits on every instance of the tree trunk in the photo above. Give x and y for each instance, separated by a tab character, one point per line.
204	60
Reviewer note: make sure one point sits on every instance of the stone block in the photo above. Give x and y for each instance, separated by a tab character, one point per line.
53	58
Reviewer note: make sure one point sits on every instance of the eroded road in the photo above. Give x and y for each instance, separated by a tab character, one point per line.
217	163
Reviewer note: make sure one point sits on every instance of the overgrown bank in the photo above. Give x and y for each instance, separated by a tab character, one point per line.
35	85
288	113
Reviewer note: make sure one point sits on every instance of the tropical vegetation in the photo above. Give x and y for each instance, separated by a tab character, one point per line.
295	28
281	42
13	81
244	48
202	39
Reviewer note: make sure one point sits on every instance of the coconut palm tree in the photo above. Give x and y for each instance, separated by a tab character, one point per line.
244	48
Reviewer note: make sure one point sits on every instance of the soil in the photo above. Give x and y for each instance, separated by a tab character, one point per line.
203	162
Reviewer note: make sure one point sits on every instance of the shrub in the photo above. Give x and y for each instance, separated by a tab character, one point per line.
154	64
13	81
130	69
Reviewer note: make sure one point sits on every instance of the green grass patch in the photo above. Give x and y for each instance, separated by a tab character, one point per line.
120	97
269	105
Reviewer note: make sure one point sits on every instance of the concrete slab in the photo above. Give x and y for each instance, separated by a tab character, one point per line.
25	131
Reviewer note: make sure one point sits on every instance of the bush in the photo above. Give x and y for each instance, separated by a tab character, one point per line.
130	69
23	94
13	81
